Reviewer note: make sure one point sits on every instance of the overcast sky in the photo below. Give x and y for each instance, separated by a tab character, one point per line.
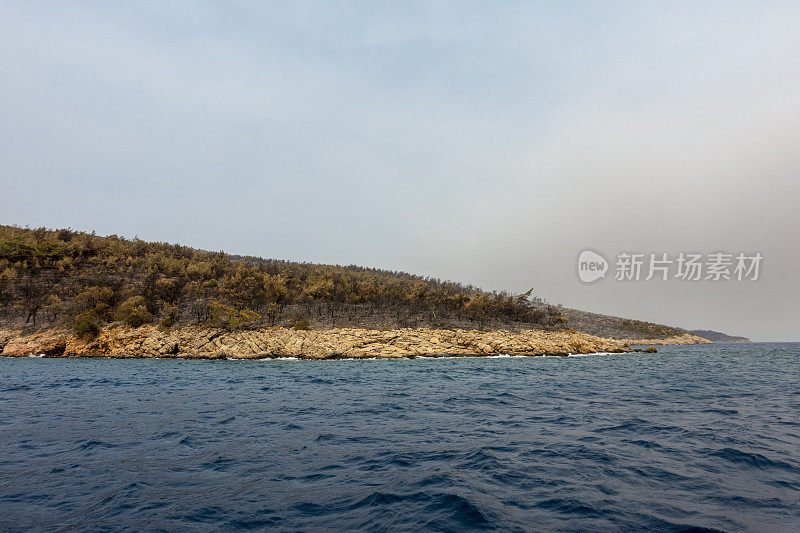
487	143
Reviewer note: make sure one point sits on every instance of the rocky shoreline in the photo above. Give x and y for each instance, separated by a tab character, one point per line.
203	343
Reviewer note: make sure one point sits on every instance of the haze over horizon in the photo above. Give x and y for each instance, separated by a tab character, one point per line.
484	143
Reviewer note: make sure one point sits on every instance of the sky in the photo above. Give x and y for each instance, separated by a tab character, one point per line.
483	142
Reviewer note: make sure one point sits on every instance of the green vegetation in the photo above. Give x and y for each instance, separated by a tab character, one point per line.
86	325
133	312
80	280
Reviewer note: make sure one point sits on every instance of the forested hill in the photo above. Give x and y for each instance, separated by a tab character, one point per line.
75	279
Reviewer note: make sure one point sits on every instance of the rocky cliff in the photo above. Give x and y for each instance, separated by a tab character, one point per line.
203	343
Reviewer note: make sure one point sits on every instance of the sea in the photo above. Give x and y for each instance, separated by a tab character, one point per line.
693	438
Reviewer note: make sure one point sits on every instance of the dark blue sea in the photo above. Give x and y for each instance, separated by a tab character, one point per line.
694	438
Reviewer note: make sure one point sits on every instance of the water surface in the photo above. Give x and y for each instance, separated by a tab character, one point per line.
694	437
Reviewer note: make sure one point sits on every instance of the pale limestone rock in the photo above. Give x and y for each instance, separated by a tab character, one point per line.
194	342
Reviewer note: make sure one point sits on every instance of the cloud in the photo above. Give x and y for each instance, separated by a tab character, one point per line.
487	144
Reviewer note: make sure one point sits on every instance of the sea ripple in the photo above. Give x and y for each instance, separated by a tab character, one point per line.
696	438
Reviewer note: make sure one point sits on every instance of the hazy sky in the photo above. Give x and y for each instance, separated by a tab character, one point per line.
487	143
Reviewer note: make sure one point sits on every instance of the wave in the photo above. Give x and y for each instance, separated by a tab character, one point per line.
753	459
466	444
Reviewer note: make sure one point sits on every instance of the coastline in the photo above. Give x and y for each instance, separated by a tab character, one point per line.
338	343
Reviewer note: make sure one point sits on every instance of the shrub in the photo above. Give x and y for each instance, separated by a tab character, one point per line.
299	323
134	312
85	326
171	318
64	235
229	318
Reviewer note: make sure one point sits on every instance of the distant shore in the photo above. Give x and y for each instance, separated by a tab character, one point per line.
338	343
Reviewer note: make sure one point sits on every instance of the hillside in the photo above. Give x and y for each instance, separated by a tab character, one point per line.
716	336
84	282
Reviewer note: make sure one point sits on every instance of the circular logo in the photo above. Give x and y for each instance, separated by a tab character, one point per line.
591	266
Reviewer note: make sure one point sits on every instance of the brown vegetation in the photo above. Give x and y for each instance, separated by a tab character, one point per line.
84	282
66	278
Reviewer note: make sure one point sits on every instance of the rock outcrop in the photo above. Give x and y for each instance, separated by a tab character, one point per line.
202	343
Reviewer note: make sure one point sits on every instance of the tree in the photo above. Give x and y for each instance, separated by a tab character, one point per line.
230	318
168	290
133	312
33	293
86	326
477	309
